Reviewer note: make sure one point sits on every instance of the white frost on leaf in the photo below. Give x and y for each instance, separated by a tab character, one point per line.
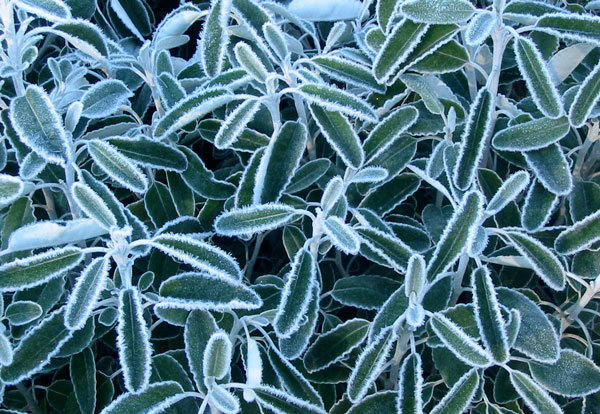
326	10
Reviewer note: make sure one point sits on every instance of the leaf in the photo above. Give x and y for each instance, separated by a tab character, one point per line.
250	62
509	190
578	27
416	277
52	10
425	86
224	400
280	160
22	312
410	386
159	204
449	57
84	36
134	15
307	175
154	399
335	344
202	180
194	107
479	28
133	341
586	98
204	291
456	340
341	235
292	380
370	175
534	396
537	77
104	98
253	365
474	139
388	131
539	206
199	327
387	249
397	48
149	153
531	135
573	375
369	365
214	39
364	291
11	188
584	200
385	197
295	345
339	134
457	235
459	396
83	375
580	235
93	205
236	122
488	315
334	99
348	71
39	126
198	254
283	403
544	262
537	337
86	293
35	270
276	40
217	357
255	219
295	295
437	12
36	348
333	192
391	311
117	166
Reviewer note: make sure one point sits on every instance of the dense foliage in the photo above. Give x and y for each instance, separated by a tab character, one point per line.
388	206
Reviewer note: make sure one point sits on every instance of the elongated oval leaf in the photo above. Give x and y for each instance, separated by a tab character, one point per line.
578	27
84	36
255	219
456	340
202	180
295	295
334	99
531	135
437	12
389	130
281	402
149	153
580	235
250	62
534	396
586	98
204	291
104	98
11	188
459	396
37	269
341	235
347	71
364	291
86	292
155	398
133	341
22	312
235	123
217	356
117	166
410	386
509	190
215	38
384	248
83	374
199	326
52	10
551	168
93	205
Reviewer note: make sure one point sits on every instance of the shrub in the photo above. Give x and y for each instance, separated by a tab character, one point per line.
333	206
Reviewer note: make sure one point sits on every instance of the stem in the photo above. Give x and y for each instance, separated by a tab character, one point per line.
31	403
250	264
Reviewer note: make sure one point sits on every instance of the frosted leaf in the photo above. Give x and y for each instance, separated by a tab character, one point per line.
479	28
326	10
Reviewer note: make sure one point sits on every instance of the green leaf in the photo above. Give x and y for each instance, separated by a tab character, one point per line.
39	126
93	205
198	254
333	192
384	248
410	386
457	235
104	98
159	204
84	36
456	340
433	39
83	375
335	344
369	365
334	99
133	341
52	10
578	27
37	269
192	108
364	291
154	399
389	130
347	71
509	190
537	338
255	219
459	396
450	57
86	292
224	400
295	345
199	327
340	135
531	135
584	200
384	198
534	396
394	53
280	160
573	375
307	175
296	294
488	315
117	166
202	180
391	311
292	380
149	153
537	77
214	39
580	235
585	99
380	402
341	235
11	188
276	40
22	312
236	122
36	348
134	15
217	357
539	206
542	260
204	291
281	402
437	12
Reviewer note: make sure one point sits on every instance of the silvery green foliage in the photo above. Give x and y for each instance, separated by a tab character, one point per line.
311	206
